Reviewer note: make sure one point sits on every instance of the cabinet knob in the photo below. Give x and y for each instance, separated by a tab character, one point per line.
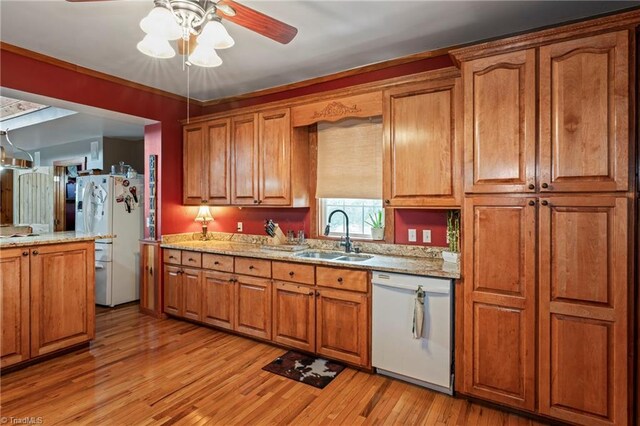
544	202
216	263
230	280
387	201
25	253
255	201
339	279
291	273
150	271
173	257
203	201
35	252
191	259
532	203
545	185
532	186
251	267
317	293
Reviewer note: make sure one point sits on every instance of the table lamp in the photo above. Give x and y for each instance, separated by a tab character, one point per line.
204	216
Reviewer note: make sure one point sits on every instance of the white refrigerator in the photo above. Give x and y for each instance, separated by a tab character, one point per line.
107	204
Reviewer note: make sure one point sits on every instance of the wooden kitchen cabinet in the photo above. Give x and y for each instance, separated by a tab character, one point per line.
150	273
422	144
500	123
342	321
173	290
14	277
584	114
62	296
192	292
218	299
274	133
499	307
206	163
294	315
253	306
584	287
244	160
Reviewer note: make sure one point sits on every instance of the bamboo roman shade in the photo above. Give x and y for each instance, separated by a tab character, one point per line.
350	159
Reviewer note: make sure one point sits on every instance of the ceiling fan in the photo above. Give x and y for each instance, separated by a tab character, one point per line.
196	24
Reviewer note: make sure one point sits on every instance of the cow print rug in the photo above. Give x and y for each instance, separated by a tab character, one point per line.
317	372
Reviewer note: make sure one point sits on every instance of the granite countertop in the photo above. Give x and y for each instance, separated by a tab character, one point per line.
434	267
50	238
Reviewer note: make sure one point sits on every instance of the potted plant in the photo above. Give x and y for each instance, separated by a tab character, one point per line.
376	222
453	236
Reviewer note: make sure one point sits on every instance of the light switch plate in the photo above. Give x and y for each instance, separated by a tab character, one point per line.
239	227
426	235
412	235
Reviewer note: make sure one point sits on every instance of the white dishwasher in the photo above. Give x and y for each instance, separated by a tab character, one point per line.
425	361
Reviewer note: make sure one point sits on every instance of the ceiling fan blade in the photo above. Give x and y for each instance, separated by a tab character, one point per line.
182	46
256	21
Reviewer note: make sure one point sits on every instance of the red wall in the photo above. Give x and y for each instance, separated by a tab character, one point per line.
417	219
42	77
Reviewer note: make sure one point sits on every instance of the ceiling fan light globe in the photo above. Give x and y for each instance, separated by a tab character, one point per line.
205	56
215	35
156	47
161	22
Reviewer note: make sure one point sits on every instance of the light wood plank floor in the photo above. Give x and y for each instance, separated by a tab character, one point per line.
143	371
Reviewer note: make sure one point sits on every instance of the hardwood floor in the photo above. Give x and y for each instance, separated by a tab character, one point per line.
141	371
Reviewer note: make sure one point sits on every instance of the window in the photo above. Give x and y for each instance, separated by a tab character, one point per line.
358	211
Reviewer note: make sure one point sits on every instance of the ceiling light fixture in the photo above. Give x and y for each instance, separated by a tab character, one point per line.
180	19
8	162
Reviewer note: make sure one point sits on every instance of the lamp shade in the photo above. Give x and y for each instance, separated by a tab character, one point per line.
205	56
156	47
215	35
161	22
204	215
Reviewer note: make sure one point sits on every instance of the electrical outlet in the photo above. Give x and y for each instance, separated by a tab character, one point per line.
426	235
239	228
412	236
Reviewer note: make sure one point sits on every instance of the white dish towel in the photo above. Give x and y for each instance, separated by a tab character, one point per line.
418	313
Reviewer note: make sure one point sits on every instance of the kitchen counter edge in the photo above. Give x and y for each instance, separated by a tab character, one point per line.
51	238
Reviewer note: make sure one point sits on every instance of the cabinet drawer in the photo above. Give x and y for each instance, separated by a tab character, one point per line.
294	272
217	262
345	279
171	256
191	258
255	267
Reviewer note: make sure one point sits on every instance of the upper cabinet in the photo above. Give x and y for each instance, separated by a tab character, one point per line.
584	114
499	123
422	151
246	160
582	120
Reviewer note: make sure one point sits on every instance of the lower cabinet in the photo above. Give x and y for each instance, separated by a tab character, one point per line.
253	306
14	274
342	319
218	301
173	290
294	315
150	274
47	299
192	294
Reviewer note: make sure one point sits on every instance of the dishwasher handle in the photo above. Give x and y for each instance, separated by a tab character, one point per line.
434	288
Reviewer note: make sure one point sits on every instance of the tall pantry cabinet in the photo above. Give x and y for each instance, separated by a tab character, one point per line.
547	238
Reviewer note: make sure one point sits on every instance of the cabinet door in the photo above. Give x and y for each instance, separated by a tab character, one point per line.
422	146
343	326
584	114
217	162
499	123
294	315
149	282
244	163
173	300
253	306
193	155
62	296
14	302
218	304
499	305
275	158
192	294
584	290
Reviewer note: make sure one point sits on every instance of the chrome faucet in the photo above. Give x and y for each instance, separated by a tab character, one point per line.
347	241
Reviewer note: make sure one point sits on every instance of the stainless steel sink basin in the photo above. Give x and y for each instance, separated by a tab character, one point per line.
354	258
319	255
334	256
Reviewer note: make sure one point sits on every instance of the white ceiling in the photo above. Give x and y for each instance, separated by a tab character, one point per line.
333	36
86	123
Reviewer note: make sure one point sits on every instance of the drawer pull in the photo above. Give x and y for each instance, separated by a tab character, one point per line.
172	257
291	273
311	293
532	203
25	253
216	263
545	185
35	252
191	259
532	186
544	202
251	267
339	279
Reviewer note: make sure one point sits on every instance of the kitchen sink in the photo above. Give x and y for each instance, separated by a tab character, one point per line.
342	257
319	255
